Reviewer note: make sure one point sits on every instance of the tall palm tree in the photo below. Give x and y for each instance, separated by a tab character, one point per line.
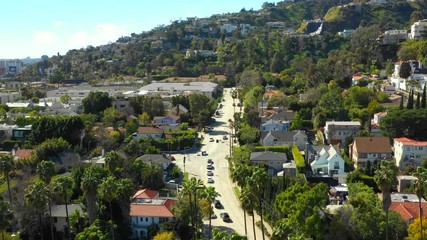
259	179
63	186
91	178
420	188
125	190
188	191
46	170
386	178
190	188
6	215
6	167
246	199
210	194
37	196
108	190
152	176
113	161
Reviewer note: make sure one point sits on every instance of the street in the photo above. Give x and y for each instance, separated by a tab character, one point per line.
196	166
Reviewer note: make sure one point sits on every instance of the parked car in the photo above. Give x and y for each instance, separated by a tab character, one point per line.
210	173
210	161
211	140
218	204
204	153
225	217
224	137
210	167
213	216
210	180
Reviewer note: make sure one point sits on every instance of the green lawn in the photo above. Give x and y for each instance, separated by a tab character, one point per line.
3	187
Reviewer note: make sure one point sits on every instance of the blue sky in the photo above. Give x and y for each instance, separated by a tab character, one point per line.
31	28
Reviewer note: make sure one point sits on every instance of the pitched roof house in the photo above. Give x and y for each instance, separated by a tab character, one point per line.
273	160
147	209
153	132
59	215
169	119
22	153
157	158
369	149
328	161
280	138
338	132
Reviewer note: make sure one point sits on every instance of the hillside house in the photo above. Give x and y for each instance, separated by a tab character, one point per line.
340	131
409	152
369	149
328	161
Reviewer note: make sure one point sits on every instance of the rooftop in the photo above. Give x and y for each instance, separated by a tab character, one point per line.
372	144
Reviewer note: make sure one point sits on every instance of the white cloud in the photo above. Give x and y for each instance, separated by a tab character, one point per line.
102	33
58	23
44	37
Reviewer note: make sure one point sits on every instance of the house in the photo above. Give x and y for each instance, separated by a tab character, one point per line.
328	161
417	79
170	119
9	97
275	125
153	132
21	133
147	209
409	152
279	138
369	149
375	124
339	132
418	29
273	160
289	170
175	88
59	215
393	37
160	159
346	33
407	206
22	153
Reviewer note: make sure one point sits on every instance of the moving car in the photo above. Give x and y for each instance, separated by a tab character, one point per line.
204	153
210	167
211	140
225	217
218	204
210	180
210	173
210	161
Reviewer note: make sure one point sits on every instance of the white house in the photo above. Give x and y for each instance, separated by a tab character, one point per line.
147	209
228	28
59	216
409	152
417	79
339	132
279	138
418	29
375	124
328	161
153	132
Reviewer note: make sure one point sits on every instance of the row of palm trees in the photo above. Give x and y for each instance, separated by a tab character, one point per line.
386	178
195	190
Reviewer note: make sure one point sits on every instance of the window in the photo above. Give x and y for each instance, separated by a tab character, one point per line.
336	165
142	219
146	219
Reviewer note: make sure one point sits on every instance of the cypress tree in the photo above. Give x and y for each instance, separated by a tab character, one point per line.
401	103
410	103
417	104
423	98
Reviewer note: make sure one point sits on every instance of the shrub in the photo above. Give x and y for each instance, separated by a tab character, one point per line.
298	158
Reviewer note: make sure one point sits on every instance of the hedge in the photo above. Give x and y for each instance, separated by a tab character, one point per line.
298	158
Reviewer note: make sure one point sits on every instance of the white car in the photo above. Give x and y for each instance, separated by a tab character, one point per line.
210	180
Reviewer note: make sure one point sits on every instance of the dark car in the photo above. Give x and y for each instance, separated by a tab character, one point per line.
204	153
210	167
218	204
210	161
225	217
210	173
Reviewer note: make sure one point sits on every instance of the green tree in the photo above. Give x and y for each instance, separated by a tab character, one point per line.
152	176
248	134
96	231
410	103
405	70
114	163
96	102
6	216
296	122
46	170
108	190
144	118
423	97
63	187
7	165
65	98
416	231
37	196
419	189
258	183
386	178
91	178
210	194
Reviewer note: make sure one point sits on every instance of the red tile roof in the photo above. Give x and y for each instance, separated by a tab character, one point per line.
150	130
151	210
23	153
411	142
408	210
146	193
372	144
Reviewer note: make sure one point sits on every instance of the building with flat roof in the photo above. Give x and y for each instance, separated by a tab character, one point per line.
171	89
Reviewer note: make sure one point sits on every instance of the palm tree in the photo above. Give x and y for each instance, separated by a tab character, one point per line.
113	161
386	178
91	178
420	187
46	170
108	190
6	215
258	182
248	204
190	188
125	190
210	194
37	196
63	186
152	176
6	167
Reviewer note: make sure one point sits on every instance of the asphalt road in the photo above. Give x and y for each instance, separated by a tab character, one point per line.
196	166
